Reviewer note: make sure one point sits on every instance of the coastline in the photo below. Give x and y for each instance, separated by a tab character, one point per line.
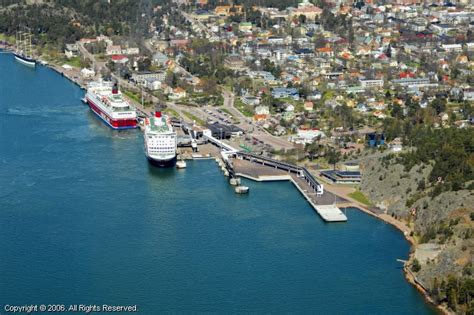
405	230
401	226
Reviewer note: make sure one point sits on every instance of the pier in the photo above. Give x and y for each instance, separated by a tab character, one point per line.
325	203
260	168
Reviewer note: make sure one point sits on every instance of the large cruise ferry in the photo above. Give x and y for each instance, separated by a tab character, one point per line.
160	140
107	102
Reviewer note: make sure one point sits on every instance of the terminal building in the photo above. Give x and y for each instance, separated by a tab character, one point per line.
342	177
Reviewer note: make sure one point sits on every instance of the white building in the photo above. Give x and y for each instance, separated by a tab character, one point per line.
113	50
371	83
87	73
152	84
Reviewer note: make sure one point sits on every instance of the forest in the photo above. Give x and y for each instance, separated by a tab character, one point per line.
65	21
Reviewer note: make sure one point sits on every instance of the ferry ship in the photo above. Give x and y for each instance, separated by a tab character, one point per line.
107	102
160	140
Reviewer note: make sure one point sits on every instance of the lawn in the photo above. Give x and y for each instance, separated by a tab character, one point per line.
74	62
171	112
9	39
247	110
196	119
360	197
132	95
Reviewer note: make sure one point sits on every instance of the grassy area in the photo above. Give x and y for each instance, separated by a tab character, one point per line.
196	119
225	110
171	112
74	62
136	97
9	39
132	95
247	110
360	197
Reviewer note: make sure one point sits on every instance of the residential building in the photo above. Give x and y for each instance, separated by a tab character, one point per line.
281	92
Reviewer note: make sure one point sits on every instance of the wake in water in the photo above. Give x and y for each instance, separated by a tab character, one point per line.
41	111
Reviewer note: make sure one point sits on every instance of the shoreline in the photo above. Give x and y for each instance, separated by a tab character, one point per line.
399	225
408	274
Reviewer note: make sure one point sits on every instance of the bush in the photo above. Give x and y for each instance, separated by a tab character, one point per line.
421	185
429	235
415	266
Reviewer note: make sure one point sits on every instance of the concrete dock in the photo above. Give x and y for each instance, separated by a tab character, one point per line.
326	204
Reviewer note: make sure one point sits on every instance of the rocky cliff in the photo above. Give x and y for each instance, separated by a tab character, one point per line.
442	226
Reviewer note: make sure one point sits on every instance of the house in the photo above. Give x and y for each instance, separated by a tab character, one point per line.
314	95
362	108
411	81
245	27
325	52
371	83
442	29
226	10
177	93
121	59
113	50
250	100
142	76
308	106
234	62
261	113
468	95
307	9
281	92
87	73
179	43
452	47
308	135
152	84
159	59
131	51
71	50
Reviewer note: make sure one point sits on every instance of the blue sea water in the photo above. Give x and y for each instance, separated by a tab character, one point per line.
85	220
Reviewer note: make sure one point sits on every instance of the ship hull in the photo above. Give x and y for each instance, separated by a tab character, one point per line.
25	60
162	163
116	124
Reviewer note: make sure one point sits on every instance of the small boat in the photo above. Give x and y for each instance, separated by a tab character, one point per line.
241	190
234	181
181	164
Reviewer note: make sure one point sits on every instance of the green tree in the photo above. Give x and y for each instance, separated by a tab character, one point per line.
415	266
333	157
439	105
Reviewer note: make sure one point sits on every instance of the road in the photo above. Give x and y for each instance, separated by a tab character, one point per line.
249	126
179	68
245	123
197	23
96	65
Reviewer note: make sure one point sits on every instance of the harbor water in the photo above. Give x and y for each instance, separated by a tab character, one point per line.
84	219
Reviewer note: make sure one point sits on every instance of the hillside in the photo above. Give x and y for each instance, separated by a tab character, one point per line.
442	225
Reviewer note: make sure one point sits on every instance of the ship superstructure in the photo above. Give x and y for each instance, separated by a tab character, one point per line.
107	102
160	140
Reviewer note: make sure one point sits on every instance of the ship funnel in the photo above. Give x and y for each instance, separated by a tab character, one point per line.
158	114
115	88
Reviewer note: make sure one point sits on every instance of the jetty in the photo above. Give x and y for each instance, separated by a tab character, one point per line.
260	168
325	203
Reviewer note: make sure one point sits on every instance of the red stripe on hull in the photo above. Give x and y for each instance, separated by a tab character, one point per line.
114	123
